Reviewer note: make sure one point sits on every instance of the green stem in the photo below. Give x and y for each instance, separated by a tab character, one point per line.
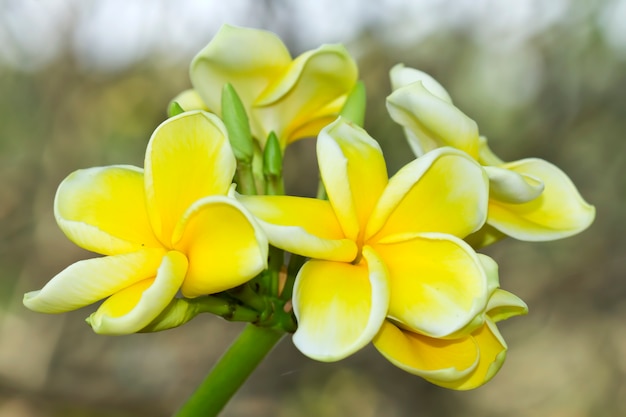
230	372
245	178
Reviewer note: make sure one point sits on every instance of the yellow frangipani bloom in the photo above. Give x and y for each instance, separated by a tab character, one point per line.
530	199
380	247
464	361
294	98
168	228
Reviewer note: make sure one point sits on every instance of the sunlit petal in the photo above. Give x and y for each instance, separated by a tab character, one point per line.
307	90
339	306
438	360
438	283
432	121
188	158
558	212
249	59
223	243
103	210
354	173
443	191
492	352
91	280
133	308
305	226
402	76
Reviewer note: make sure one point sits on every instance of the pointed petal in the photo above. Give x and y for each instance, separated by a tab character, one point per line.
305	226
443	191
492	348
438	283
503	305
558	212
440	360
188	158
432	122
103	210
223	243
134	307
309	89
511	187
402	76
91	280
485	236
249	59
354	173
339	306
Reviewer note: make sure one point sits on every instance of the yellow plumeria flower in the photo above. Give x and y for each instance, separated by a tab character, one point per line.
167	228
465	361
294	98
380	247
530	199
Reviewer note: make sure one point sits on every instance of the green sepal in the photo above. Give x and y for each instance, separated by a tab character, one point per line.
273	166
237	124
354	107
174	109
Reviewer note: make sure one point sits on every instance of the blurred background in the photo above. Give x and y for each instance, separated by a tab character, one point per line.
85	83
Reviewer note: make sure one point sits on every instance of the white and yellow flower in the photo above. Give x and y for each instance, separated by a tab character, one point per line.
167	228
294	98
380	247
530	199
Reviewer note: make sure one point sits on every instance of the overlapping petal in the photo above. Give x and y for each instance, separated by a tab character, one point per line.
305	226
223	243
354	173
103	210
402	76
443	191
188	157
249	59
558	212
438	283
432	122
339	306
440	360
133	308
88	281
313	87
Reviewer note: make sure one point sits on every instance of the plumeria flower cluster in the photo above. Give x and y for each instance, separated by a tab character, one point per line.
206	226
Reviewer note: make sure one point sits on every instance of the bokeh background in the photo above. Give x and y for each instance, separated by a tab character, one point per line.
85	83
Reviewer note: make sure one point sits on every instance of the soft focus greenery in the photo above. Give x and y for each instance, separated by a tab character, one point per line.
558	93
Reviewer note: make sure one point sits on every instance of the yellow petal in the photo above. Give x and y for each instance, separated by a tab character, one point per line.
492	352
223	243
485	236
402	76
104	210
189	100
188	158
134	307
440	360
443	191
354	173
88	281
511	187
308	90
249	59
305	226
339	306
431	122
503	305
558	212
438	283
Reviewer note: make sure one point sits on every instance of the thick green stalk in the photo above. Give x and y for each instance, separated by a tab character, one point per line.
230	371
